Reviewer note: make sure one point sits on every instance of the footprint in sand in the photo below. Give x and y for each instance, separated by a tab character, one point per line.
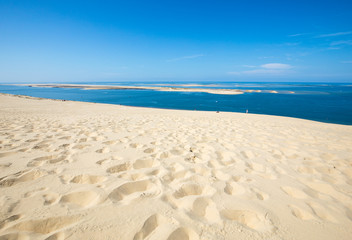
135	145
103	150
149	226
39	161
52	159
250	219
119	168
188	190
143	163
6	154
206	208
5	223
226	158
50	198
8	204
220	175
321	211
259	194
132	176
101	162
45	226
5	165
300	213
177	151
233	188
149	150
33	192
25	177
294	192
43	147
88	179
15	236
201	170
183	233
248	154
131	188
81	199
171	176
164	155
65	138
306	170
65	179
81	146
214	164
56	236
111	142
256	167
32	140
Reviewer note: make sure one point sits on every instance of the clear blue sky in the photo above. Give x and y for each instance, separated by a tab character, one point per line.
71	41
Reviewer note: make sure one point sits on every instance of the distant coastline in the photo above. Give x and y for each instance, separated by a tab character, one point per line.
164	89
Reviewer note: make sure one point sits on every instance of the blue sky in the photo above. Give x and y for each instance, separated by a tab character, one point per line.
72	41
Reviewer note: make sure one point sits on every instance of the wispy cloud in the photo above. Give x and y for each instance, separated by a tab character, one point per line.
337	43
266	57
299	34
334	34
185	57
276	66
266	69
265	72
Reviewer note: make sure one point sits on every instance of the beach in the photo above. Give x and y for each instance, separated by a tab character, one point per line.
76	170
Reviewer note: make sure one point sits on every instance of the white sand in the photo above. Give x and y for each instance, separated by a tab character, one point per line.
72	170
162	89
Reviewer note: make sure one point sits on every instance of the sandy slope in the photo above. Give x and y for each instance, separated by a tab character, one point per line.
71	170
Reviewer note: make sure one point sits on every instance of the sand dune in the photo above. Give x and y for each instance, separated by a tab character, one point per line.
72	170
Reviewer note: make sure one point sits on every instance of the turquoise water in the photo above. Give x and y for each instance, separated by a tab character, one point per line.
330	103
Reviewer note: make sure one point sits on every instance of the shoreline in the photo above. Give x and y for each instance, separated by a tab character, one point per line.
183	88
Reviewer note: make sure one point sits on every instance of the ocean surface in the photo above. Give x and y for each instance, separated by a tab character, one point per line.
331	103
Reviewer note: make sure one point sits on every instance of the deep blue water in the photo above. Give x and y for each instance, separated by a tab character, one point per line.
330	103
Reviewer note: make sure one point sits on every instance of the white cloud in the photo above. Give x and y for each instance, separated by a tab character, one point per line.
266	69
334	34
297	34
276	66
265	57
186	57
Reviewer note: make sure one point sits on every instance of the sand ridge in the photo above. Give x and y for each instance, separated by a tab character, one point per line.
72	170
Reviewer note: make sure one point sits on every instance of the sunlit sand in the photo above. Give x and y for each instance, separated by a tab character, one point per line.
74	170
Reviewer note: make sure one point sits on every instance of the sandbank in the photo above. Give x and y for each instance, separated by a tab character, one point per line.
169	88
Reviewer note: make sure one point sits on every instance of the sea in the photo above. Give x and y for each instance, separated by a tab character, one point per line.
323	102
